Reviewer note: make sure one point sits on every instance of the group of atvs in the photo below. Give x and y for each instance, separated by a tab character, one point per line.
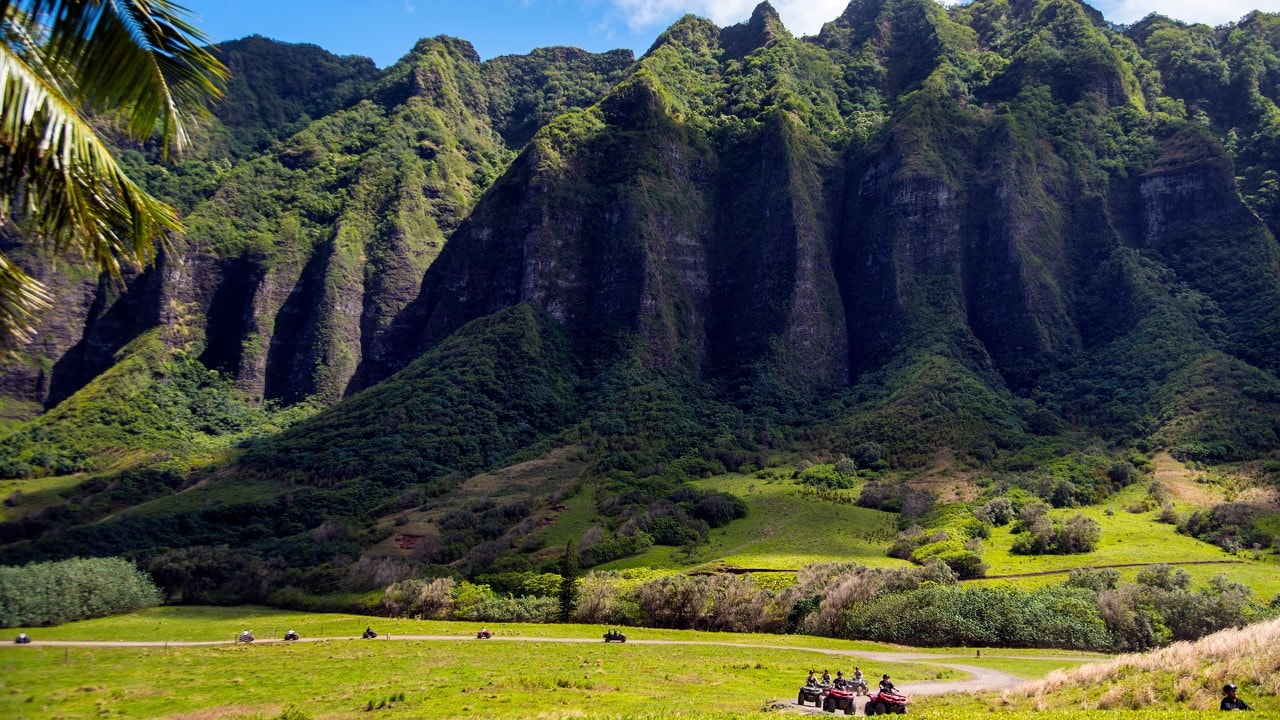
841	694
247	636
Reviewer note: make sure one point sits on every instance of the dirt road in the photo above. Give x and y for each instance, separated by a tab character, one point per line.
980	678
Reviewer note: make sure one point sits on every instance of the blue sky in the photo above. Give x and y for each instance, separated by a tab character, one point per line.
387	29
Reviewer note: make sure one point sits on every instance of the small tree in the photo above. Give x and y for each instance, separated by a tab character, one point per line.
568	583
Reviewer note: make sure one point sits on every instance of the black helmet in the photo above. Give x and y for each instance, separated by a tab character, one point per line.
886	676
839	672
1228	688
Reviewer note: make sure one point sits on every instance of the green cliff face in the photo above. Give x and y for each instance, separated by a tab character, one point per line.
941	230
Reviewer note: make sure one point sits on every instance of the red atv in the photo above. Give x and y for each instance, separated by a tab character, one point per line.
885	702
839	699
483	635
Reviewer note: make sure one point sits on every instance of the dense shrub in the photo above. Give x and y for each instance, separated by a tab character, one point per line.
825	476
707	602
212	575
428	599
1046	536
613	548
51	593
512	609
1056	617
997	511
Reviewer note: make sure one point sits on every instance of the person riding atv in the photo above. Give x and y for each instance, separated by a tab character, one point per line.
840	683
291	635
369	633
22	639
245	637
887	700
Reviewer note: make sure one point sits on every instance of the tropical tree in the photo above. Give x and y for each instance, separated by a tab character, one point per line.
139	64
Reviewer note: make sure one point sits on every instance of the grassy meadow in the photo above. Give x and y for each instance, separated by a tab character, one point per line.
459	677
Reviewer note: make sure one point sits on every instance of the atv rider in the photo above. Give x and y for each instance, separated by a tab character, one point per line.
886	685
840	683
1229	699
826	677
811	681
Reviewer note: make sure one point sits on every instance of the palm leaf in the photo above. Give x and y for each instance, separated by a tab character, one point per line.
142	58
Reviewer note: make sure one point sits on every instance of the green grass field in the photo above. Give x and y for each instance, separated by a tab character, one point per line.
36	493
438	679
1132	538
783	531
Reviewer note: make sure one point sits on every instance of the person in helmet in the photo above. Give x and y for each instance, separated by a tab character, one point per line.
840	683
812	680
1230	701
886	685
826	677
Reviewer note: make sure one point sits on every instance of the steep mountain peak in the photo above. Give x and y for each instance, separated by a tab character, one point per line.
764	27
690	32
457	47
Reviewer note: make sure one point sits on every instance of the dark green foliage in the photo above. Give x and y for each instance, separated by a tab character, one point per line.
52	593
491	390
204	575
1231	526
1041	535
1162	608
568	581
1046	617
616	547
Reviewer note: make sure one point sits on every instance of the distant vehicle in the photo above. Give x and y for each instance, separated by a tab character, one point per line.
859	686
245	637
839	699
812	694
614	636
291	635
483	635
369	634
884	702
22	639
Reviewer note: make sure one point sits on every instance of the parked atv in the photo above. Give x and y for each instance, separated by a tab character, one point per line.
885	702
483	635
812	693
839	699
291	635
614	636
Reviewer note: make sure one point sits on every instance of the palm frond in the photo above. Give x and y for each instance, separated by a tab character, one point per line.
141	58
64	179
21	297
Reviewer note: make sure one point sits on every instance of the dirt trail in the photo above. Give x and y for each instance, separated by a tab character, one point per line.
981	678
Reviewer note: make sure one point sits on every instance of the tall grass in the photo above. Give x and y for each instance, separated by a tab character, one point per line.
1184	674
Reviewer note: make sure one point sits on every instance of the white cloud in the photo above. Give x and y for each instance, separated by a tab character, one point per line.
1215	12
802	17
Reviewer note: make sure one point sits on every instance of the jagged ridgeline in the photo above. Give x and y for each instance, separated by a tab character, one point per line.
942	230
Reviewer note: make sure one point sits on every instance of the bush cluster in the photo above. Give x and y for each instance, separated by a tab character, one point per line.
1038	534
52	593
